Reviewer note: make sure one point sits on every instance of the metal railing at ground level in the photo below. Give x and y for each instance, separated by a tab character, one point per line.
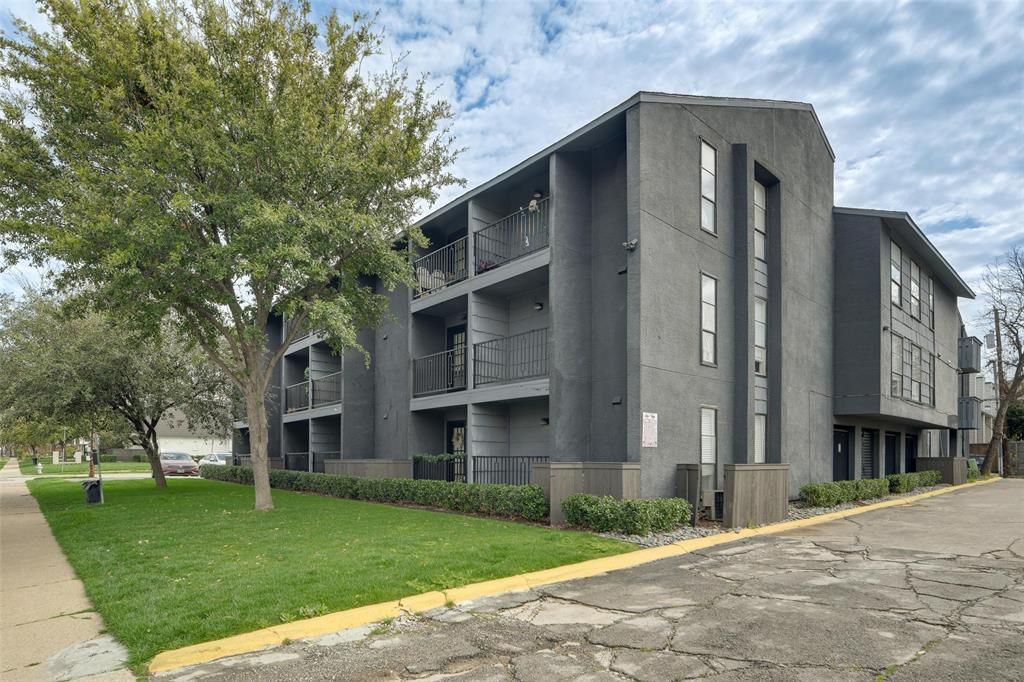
504	469
320	456
296	461
451	470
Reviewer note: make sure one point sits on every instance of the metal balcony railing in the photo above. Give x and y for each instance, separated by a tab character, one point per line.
969	354
511	358
441	267
327	389
515	235
296	397
969	412
439	373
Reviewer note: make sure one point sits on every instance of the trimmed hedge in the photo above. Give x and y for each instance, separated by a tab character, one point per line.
522	501
833	493
107	459
634	517
433	459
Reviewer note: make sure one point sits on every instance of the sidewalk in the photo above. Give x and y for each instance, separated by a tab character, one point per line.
48	628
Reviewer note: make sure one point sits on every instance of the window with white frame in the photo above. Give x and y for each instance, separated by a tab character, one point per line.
708	163
896	275
760	437
915	291
708	446
760	336
708	319
760	223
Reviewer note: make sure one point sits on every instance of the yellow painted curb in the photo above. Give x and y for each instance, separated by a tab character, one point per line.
249	642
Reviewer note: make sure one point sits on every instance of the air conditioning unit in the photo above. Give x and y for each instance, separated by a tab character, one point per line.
713	502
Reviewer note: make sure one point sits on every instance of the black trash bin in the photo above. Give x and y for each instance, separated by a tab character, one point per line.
35	461
92	488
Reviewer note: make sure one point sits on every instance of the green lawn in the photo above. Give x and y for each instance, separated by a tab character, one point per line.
78	469
168	568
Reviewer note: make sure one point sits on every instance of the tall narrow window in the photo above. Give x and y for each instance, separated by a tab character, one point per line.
926	378
897	366
931	303
707	187
915	290
760	336
915	373
896	276
760	437
708	319
760	222
708	446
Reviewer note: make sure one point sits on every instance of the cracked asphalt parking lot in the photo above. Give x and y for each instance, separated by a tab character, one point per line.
930	591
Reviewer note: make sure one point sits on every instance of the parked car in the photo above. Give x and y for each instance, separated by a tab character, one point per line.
178	464
217	459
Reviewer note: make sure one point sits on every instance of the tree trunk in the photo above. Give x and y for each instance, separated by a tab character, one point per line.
998	429
256	413
153	455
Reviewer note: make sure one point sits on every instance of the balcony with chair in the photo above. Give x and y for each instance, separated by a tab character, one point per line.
520	233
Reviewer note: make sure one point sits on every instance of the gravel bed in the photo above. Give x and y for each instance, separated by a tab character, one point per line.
702	531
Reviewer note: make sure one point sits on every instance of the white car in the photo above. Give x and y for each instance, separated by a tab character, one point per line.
218	459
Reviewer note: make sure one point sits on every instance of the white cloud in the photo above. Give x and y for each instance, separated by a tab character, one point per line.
922	101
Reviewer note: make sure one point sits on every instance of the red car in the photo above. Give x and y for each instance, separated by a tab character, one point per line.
178	464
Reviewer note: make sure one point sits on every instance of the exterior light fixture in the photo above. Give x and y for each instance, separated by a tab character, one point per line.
537	305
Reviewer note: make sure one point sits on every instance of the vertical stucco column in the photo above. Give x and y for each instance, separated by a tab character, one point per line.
743	307
569	291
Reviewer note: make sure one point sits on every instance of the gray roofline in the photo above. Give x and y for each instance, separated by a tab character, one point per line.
642	96
958	286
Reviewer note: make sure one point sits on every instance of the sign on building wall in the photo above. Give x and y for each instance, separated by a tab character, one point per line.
649	438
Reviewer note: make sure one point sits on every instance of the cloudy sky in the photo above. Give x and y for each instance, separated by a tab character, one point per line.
922	102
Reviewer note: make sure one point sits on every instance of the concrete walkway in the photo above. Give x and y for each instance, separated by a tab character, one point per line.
48	628
930	591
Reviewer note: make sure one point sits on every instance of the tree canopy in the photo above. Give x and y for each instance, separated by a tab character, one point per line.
225	162
86	373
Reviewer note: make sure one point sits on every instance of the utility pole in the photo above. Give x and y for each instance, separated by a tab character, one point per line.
1001	395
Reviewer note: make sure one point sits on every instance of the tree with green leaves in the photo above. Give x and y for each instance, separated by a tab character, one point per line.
229	163
94	374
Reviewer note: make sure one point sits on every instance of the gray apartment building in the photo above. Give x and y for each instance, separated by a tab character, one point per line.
671	283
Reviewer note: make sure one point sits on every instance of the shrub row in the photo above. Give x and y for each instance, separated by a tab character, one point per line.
635	517
973	470
523	501
837	492
432	459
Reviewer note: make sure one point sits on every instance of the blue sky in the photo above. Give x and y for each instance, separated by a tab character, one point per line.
922	102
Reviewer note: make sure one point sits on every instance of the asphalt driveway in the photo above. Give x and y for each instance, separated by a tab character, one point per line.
930	591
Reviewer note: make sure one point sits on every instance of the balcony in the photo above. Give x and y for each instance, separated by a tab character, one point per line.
969	412
440	268
296	397
296	461
515	235
439	373
511	358
327	389
969	354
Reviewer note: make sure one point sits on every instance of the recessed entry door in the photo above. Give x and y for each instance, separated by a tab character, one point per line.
867	453
840	455
891	453
457	368
910	454
456	438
